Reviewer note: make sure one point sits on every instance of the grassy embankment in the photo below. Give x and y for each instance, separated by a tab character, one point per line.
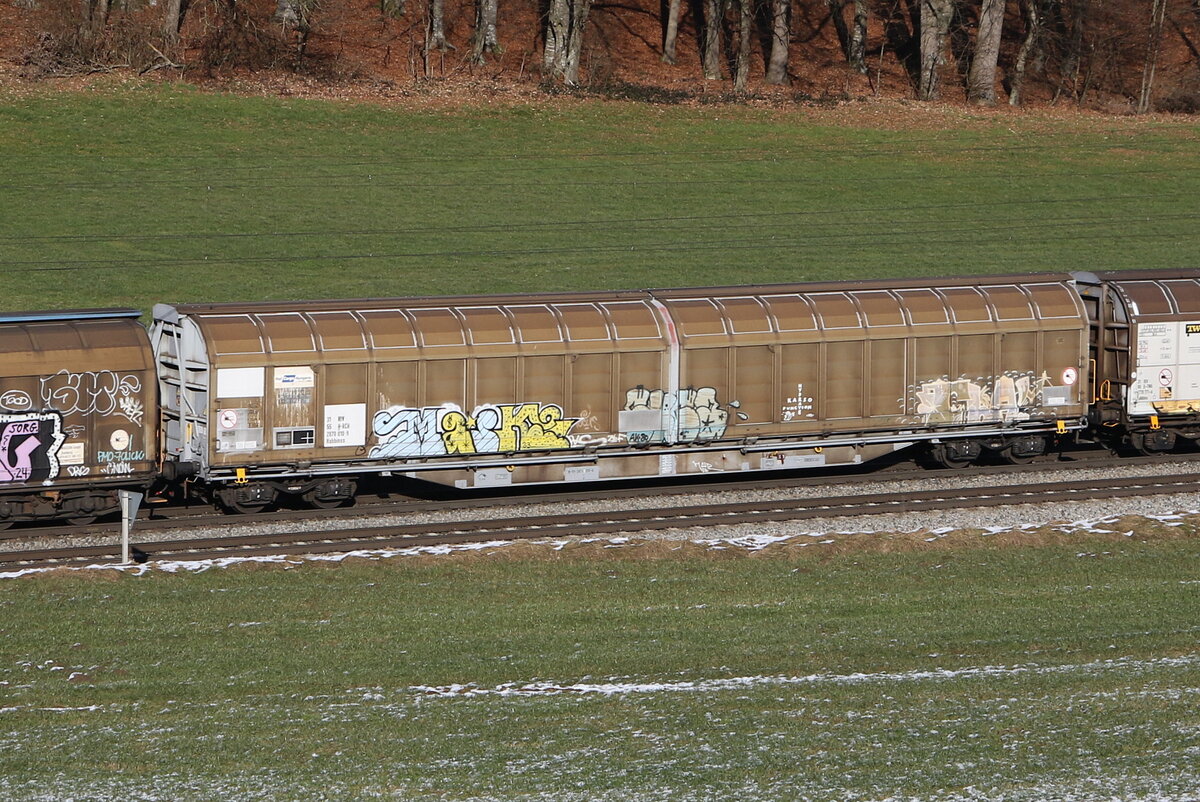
140	195
300	684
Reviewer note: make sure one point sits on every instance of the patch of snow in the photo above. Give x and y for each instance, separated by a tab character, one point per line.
747	542
715	685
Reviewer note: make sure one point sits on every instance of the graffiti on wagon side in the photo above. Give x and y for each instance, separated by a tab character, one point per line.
29	445
99	393
488	429
1013	396
694	412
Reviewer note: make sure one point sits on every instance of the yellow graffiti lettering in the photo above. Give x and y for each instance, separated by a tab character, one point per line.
456	434
533	427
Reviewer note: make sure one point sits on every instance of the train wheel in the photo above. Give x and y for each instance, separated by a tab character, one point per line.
246	499
955	454
84	509
245	508
1024	451
1153	443
331	495
327	503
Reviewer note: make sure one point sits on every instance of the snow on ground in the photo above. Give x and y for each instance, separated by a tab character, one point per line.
1125	665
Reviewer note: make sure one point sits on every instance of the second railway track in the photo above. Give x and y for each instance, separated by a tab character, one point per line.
601	523
165	519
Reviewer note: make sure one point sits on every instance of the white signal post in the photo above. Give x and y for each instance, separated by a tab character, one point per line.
130	502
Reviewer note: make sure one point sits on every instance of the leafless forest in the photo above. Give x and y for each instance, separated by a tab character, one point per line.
1118	55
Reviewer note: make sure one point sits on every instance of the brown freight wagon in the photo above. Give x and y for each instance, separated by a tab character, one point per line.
302	398
78	413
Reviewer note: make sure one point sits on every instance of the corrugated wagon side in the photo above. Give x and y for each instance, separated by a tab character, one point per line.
266	399
810	374
77	413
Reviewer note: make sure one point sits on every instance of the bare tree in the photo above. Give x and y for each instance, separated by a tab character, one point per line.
291	14
858	37
781	34
173	14
1073	55
672	33
1157	14
486	39
96	16
1032	39
564	38
741	73
711	53
437	25
852	37
981	80
935	24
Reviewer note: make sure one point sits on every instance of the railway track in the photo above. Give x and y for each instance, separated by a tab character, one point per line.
600	523
163	518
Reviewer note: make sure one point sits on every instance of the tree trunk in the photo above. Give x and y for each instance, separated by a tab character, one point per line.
1047	11
563	51
853	38
711	54
1157	15
1033	32
672	34
781	34
97	17
579	16
935	23
1074	54
289	14
437	24
858	37
558	23
741	75
837	14
486	40
172	20
981	80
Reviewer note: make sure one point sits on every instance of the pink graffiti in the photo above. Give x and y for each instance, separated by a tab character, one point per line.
22	468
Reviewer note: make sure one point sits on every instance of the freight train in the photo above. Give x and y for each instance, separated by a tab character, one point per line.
249	405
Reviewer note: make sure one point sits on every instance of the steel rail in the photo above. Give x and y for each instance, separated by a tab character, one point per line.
173	518
603	523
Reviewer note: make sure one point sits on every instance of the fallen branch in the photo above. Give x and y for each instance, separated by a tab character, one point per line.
163	62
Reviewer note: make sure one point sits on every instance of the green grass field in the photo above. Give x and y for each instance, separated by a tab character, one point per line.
1069	671
143	194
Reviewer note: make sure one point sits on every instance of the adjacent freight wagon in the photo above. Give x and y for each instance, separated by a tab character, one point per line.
1145	344
261	400
78	413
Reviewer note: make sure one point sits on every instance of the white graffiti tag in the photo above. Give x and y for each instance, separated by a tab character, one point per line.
695	413
132	409
94	393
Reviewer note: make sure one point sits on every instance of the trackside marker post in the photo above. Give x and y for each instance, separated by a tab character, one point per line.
130	502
